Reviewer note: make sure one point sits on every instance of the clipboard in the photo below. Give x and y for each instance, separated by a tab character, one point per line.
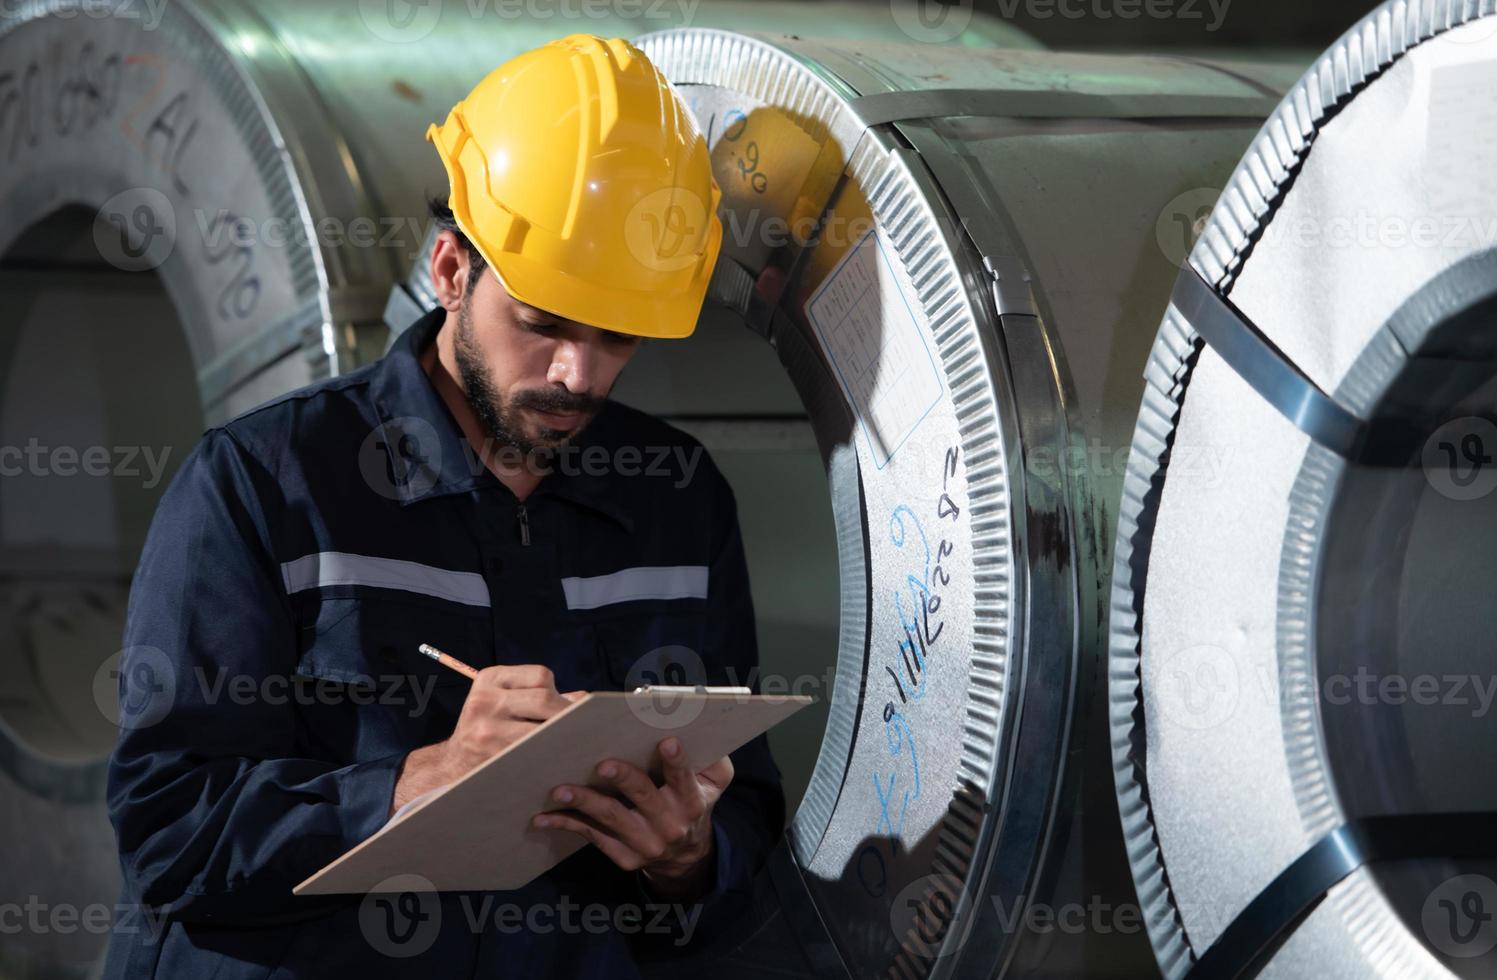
475	834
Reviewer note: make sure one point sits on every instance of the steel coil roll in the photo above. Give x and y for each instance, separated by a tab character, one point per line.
1302	567
965	321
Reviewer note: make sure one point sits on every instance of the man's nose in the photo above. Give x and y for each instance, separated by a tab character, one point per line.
572	367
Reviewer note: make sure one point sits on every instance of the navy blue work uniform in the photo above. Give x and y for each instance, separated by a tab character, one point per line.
271	683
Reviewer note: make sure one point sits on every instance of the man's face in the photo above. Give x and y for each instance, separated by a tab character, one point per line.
533	379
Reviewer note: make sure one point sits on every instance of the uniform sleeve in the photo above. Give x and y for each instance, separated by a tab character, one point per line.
749	817
215	817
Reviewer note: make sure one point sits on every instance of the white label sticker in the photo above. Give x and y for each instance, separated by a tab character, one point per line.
865	320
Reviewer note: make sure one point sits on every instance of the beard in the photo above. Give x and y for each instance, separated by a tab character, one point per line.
501	417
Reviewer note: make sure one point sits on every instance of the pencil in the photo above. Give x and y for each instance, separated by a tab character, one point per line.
447	660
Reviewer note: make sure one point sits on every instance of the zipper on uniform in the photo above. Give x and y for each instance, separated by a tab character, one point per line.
524	525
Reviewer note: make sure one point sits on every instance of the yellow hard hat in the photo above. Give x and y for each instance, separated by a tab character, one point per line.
585	184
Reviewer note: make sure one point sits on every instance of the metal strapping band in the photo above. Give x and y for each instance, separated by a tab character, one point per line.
1265	368
885	107
1239	951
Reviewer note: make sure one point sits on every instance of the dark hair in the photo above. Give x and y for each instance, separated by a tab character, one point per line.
441	216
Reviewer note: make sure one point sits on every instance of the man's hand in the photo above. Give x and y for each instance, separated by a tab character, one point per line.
505	704
666	834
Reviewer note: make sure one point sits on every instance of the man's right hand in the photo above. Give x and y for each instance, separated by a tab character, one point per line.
505	704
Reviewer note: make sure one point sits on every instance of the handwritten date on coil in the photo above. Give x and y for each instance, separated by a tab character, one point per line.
922	626
923	591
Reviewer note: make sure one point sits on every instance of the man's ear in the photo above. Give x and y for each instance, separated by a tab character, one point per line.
449	271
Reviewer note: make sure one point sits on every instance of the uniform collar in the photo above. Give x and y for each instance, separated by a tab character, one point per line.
436	459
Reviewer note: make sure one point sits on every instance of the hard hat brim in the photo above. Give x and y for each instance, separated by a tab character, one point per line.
644	313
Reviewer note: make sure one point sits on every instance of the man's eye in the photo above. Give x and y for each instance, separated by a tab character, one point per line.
621	339
535	327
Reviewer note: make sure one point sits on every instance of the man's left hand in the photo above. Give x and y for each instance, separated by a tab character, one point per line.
666	834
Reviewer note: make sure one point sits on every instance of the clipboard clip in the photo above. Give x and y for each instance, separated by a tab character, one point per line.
688	689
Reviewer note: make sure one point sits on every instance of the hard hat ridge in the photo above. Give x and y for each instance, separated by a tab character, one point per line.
585	183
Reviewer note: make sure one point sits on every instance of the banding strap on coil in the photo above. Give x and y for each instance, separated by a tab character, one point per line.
733	287
1239	951
878	108
1264	367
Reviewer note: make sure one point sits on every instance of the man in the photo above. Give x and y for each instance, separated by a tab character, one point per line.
476	490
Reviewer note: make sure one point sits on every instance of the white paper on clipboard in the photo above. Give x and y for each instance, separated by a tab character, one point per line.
475	834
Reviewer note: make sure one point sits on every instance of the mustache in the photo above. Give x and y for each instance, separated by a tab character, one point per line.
551	400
